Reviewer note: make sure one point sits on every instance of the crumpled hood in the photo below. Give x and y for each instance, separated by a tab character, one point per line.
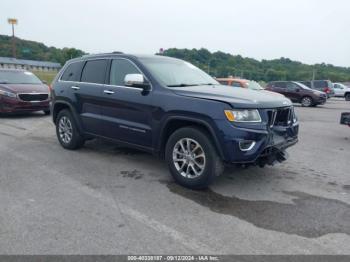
25	88
236	97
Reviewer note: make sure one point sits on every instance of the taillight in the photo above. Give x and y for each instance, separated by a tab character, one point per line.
327	90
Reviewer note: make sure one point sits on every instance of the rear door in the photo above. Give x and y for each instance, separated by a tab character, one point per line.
127	111
89	92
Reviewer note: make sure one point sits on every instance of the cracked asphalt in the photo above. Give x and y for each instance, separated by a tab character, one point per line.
104	199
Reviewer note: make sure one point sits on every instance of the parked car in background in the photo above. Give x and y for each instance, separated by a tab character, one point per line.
320	85
298	92
21	91
238	82
341	90
170	108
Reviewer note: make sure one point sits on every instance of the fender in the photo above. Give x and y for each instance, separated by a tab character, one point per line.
194	120
73	111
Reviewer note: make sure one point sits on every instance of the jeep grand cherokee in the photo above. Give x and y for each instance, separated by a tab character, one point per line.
170	108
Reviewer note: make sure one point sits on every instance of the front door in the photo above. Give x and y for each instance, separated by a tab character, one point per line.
127	111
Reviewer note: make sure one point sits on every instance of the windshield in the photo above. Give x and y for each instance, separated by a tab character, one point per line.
303	86
176	73
18	77
254	85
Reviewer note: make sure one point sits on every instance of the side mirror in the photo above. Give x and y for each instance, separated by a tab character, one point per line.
297	89
137	80
44	82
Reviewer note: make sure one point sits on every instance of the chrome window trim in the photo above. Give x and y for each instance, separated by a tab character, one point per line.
106	85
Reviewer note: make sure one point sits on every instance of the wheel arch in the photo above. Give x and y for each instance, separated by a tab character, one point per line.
61	105
175	122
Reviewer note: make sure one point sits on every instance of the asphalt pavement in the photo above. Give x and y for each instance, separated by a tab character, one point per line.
105	199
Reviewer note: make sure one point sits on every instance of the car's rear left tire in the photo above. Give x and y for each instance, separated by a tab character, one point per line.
192	158
67	131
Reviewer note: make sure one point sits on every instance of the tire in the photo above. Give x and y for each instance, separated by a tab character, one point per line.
306	101
67	131
347	96
194	174
47	112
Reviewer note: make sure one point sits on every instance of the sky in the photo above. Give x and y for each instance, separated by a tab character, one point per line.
310	31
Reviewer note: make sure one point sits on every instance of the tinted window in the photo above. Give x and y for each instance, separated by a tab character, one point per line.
73	72
94	71
307	83
280	84
236	84
119	69
320	84
292	86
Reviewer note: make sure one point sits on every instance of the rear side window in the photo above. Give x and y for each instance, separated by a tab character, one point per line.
280	84
236	84
72	72
119	69
94	71
320	84
223	82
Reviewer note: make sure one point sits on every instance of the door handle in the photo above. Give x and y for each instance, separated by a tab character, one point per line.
75	87
108	92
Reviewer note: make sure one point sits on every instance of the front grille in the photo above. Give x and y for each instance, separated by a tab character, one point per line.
280	116
33	97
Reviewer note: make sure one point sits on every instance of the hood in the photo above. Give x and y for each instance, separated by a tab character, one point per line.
236	97
25	88
317	92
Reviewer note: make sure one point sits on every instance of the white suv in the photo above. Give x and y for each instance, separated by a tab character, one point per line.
342	90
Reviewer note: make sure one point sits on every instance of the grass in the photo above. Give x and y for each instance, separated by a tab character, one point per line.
45	76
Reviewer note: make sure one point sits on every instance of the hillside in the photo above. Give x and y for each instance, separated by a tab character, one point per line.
218	63
224	64
37	51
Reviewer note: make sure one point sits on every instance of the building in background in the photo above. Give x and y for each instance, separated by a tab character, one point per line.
8	62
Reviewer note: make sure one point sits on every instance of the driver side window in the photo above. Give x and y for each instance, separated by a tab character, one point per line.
119	69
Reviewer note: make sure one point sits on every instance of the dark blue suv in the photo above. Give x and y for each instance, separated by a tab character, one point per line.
170	108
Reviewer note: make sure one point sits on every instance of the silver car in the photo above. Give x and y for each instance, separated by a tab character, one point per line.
342	90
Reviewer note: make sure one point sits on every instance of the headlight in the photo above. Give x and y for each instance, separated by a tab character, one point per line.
243	115
8	94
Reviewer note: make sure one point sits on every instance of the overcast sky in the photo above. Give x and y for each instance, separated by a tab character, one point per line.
311	31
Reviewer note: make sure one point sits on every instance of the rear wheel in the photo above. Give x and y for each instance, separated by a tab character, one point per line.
67	131
192	158
306	101
47	112
347	96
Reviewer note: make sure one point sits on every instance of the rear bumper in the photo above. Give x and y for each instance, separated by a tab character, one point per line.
10	105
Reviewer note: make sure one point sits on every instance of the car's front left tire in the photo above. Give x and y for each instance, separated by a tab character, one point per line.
347	97
67	131
192	158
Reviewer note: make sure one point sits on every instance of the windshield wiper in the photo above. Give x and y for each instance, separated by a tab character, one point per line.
182	85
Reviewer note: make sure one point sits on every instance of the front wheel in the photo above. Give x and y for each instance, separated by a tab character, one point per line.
306	101
192	158
67	131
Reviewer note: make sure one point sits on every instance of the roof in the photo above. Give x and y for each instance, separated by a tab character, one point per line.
15	61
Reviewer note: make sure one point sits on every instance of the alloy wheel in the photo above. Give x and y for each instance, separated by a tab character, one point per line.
189	158
65	130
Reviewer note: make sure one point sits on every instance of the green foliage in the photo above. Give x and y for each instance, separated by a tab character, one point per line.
221	64
37	51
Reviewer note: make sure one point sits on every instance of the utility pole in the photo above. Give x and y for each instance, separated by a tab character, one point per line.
13	22
313	74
